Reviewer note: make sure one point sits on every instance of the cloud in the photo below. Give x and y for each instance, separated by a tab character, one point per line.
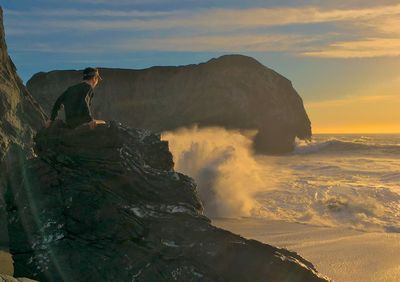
371	47
358	32
235	43
117	2
218	18
91	14
48	48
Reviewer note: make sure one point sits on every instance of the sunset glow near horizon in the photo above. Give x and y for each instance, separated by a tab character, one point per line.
343	58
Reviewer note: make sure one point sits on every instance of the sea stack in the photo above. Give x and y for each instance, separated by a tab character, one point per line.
232	91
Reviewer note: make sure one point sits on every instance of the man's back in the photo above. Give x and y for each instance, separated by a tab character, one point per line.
76	100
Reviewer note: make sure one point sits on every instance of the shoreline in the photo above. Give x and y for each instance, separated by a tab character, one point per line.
342	254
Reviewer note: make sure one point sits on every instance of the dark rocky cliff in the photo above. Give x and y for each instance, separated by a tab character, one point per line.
20	115
106	205
232	91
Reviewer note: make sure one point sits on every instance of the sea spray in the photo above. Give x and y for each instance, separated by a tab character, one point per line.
337	180
223	166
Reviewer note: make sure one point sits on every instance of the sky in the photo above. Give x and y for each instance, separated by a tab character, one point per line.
343	57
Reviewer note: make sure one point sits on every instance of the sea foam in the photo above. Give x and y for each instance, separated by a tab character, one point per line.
347	181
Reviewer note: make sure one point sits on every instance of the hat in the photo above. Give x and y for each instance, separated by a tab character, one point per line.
91	72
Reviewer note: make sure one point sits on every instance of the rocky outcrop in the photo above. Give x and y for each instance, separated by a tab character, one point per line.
232	91
106	205
20	115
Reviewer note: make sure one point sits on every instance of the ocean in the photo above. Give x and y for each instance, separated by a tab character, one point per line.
337	180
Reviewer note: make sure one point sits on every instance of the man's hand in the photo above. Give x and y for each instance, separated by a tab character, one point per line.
48	123
99	121
96	122
92	124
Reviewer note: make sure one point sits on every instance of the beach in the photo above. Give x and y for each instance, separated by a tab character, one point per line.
342	254
6	266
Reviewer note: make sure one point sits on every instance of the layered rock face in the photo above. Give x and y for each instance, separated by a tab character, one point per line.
106	205
20	115
232	91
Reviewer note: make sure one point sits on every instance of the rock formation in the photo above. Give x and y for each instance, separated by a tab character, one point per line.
20	115
106	205
232	91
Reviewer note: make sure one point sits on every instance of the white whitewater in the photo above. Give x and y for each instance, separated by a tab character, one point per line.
343	180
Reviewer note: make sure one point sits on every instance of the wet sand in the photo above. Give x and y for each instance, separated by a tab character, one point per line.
6	266
344	255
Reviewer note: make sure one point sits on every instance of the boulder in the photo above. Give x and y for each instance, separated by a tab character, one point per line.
107	205
233	91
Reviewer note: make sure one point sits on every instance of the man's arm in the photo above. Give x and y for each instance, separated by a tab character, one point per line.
86	110
90	94
56	107
87	101
86	107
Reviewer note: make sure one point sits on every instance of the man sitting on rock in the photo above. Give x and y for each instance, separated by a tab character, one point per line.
77	100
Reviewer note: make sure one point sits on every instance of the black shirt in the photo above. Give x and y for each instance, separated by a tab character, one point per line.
76	100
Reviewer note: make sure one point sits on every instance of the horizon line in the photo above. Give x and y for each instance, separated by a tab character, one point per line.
356	133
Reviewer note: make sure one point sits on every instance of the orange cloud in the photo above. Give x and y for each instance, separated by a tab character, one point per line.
371	47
